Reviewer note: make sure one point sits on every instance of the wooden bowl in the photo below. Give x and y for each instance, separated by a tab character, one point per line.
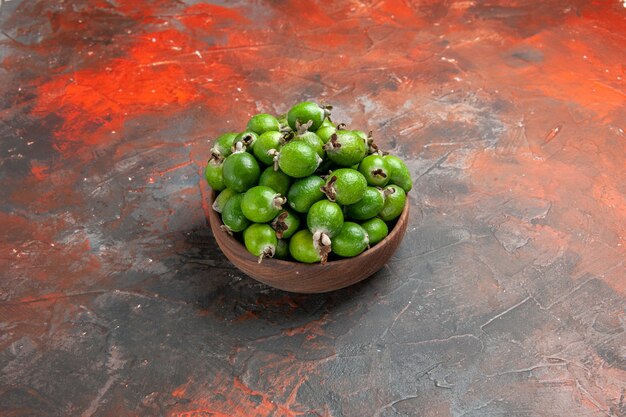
309	278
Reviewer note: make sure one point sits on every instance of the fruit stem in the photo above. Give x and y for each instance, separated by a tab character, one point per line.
329	189
372	147
388	191
287	136
279	224
215	155
301	129
268	252
215	207
332	143
327	108
279	201
274	154
378	172
239	147
247	140
226	229
322	243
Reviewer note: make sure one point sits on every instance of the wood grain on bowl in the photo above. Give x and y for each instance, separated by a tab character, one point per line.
309	278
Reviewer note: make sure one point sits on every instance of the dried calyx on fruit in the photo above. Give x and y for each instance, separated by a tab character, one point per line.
301	186
324	220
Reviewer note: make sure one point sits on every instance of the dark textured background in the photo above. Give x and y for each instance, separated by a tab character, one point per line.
506	298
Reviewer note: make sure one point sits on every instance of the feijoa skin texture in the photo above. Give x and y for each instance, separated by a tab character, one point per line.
313	141
222	198
261	204
304	192
400	174
223	145
286	223
241	171
345	186
302	249
351	240
266	142
305	111
395	198
345	148
298	160
376	230
260	240
369	206
326	123
375	170
214	174
263	122
248	138
232	216
325	132
325	217
276	180
361	134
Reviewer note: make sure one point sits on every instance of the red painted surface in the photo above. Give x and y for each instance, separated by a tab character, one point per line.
507	297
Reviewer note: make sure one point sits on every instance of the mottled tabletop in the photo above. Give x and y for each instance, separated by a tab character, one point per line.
507	296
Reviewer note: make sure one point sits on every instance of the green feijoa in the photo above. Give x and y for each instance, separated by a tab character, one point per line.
400	174
232	216
327	123
313	141
305	113
324	220
302	249
222	145
214	174
222	198
361	134
264	144
325	132
261	204
304	192
276	180
286	224
297	159
345	148
375	170
241	171
351	240
263	122
395	198
325	217
260	240
376	229
247	139
369	206
282	249
345	186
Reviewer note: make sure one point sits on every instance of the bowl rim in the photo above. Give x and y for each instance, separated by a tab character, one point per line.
214	216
